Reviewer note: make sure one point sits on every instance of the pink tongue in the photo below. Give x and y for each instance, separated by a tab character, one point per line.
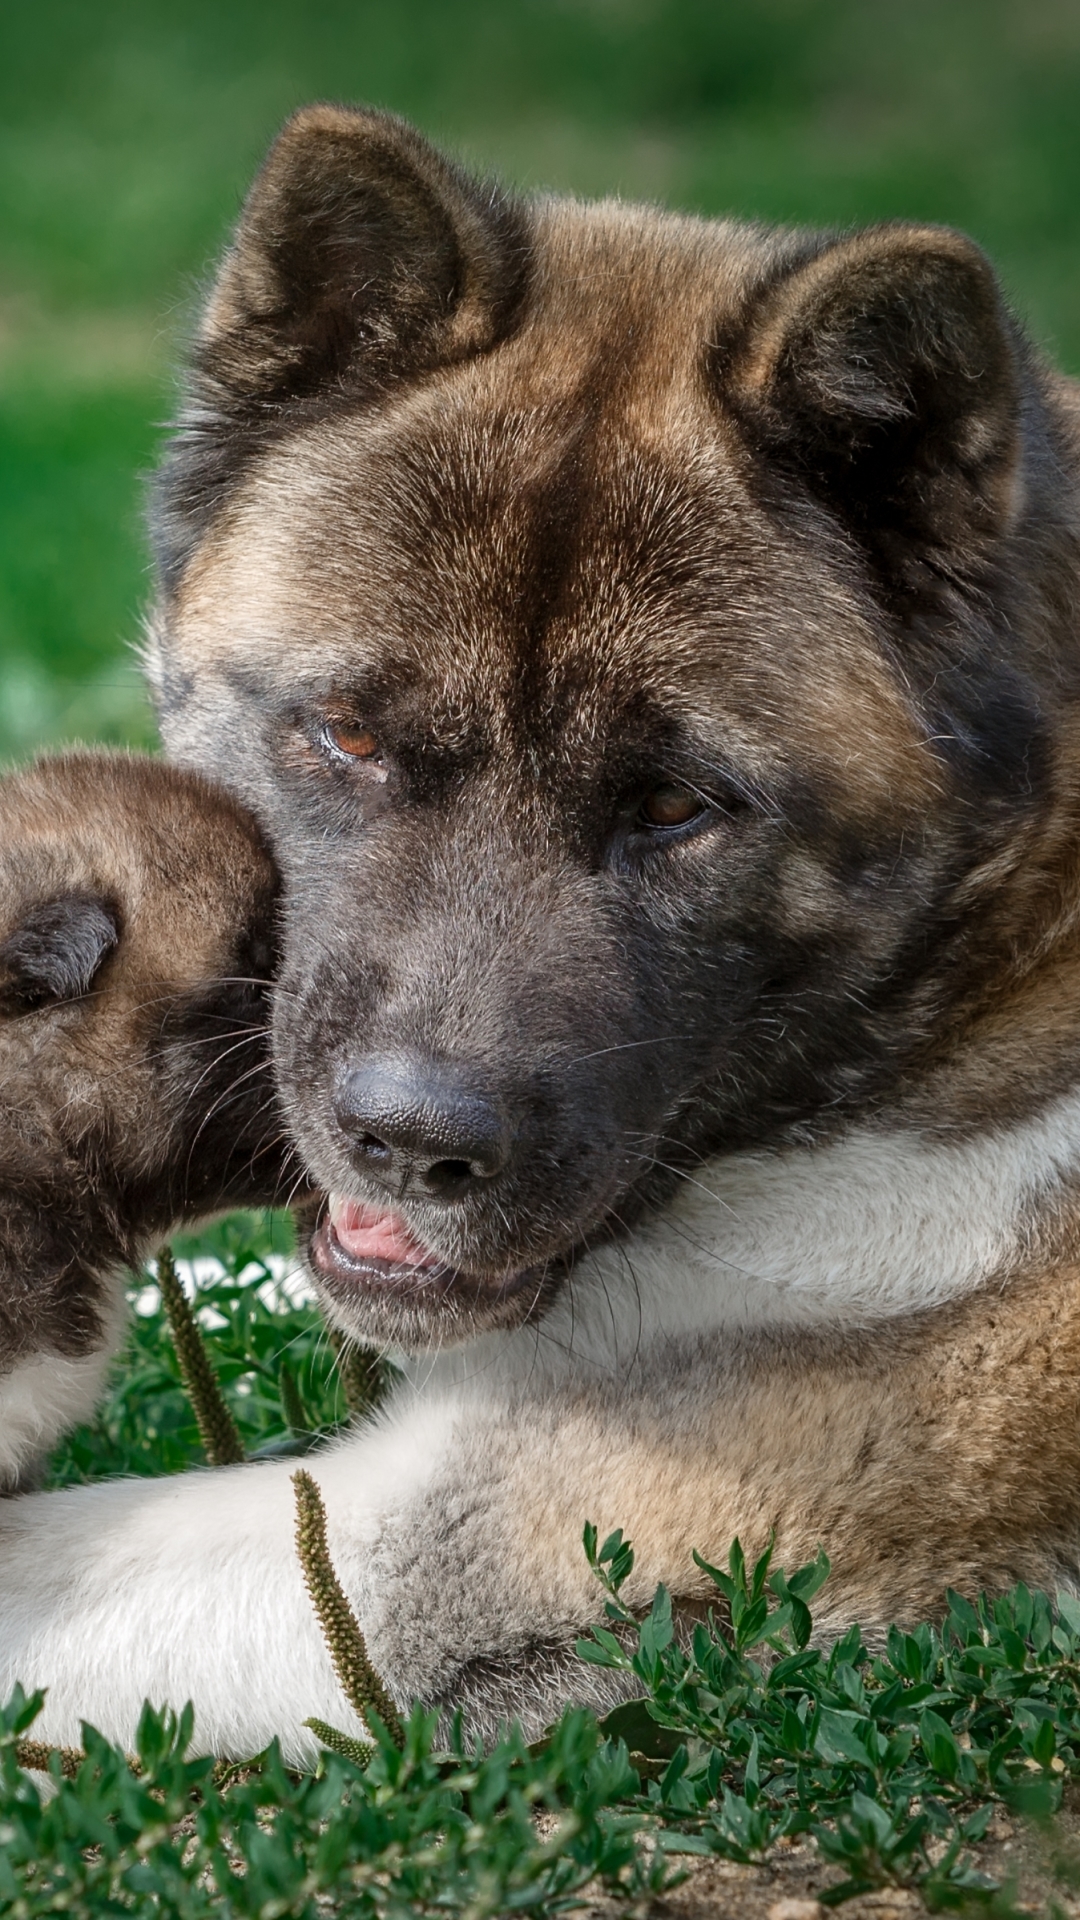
370	1233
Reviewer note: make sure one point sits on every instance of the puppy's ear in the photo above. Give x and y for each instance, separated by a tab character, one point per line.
884	372
361	253
55	951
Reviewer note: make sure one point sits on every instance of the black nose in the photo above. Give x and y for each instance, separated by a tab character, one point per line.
411	1121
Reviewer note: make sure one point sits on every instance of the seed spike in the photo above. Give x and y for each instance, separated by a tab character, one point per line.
36	1754
358	1751
217	1428
360	1683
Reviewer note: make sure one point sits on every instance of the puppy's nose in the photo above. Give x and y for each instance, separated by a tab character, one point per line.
411	1121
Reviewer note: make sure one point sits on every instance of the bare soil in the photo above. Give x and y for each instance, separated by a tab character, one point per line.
786	1887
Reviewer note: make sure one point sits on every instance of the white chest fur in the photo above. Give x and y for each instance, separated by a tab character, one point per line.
875	1225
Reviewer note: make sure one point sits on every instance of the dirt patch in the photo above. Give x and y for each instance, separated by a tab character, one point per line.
786	1887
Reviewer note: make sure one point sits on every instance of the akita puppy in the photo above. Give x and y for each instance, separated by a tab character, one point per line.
137	931
651	646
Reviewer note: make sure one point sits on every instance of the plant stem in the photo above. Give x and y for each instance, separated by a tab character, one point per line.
292	1405
217	1428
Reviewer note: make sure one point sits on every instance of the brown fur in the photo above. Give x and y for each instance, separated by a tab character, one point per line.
936	1453
136	939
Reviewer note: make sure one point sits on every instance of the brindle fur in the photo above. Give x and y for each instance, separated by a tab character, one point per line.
136	939
562	503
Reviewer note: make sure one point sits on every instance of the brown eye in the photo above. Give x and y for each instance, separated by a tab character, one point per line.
670	806
351	738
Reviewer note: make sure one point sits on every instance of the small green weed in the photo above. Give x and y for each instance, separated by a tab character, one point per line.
891	1762
412	1833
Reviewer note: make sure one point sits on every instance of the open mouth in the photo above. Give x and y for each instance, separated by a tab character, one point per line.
376	1271
374	1247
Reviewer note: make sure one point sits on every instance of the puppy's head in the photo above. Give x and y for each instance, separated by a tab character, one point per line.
137	937
634	634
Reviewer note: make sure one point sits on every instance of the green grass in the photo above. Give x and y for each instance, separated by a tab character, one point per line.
129	129
73	564
890	1762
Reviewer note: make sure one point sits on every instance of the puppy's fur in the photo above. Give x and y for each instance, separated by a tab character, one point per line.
136	937
652	648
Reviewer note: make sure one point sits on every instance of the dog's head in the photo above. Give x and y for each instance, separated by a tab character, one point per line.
634	633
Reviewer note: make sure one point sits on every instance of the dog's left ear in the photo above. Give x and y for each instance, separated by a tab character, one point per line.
56	951
883	371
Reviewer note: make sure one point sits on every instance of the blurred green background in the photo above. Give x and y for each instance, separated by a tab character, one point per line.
128	129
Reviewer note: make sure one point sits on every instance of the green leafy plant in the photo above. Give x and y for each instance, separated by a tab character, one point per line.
742	1735
413	1832
892	1762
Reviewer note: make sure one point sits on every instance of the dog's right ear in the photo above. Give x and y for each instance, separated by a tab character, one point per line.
56	951
361	254
362	257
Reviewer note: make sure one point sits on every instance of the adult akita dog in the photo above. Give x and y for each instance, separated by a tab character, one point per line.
651	646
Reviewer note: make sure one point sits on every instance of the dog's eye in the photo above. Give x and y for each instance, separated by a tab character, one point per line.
670	806
349	737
